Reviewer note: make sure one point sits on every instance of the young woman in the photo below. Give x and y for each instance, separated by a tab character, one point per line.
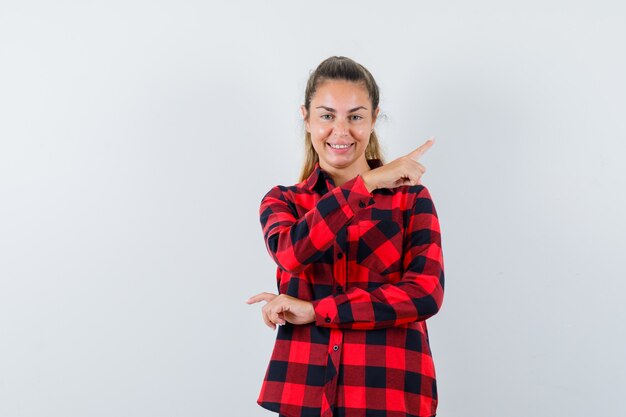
360	265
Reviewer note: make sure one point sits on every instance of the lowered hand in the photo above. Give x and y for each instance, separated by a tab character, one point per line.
282	308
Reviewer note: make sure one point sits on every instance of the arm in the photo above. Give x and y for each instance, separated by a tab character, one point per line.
294	243
417	296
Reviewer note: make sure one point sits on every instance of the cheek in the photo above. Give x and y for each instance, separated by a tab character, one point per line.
320	131
361	132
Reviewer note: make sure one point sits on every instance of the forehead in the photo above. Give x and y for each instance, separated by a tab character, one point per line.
342	92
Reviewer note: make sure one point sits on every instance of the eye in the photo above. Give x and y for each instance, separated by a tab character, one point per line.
324	116
356	117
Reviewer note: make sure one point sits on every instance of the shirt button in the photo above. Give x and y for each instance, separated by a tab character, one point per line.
335	347
340	255
361	204
327	319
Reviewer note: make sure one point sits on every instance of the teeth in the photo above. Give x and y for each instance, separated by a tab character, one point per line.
339	146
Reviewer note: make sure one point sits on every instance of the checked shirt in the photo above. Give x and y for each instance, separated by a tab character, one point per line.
372	266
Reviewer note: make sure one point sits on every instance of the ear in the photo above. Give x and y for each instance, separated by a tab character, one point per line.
306	122
375	116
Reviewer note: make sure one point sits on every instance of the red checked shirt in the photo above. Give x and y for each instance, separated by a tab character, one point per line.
372	265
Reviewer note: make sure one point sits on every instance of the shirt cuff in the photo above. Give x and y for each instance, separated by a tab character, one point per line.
325	311
356	194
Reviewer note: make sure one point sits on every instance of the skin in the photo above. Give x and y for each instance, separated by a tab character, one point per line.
341	113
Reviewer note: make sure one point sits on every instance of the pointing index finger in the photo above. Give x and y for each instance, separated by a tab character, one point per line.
417	153
264	296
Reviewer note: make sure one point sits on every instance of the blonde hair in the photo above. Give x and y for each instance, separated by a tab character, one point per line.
339	68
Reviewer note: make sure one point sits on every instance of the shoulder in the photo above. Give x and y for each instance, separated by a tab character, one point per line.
422	200
417	191
412	197
287	193
410	192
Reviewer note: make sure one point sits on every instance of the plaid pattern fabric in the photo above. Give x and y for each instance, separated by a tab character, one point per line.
372	265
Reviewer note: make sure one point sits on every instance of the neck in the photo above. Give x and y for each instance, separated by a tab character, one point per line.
342	175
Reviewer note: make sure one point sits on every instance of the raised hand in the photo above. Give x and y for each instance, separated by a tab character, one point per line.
405	170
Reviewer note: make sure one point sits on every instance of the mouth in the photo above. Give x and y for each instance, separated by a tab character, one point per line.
340	146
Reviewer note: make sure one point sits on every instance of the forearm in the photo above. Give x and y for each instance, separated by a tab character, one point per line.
293	242
413	299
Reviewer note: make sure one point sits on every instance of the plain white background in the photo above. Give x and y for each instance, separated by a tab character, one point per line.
138	137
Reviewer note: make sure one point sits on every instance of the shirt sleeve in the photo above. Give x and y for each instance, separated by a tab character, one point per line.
415	297
294	242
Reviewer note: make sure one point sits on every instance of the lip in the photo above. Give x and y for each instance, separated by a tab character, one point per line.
340	143
344	150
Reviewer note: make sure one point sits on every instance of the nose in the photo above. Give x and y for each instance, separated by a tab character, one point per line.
341	128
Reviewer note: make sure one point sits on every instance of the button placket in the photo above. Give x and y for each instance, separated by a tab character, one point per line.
339	266
336	339
334	354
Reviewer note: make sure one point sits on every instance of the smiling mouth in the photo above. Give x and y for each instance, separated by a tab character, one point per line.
340	146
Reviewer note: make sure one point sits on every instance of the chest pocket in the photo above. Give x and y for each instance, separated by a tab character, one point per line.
379	246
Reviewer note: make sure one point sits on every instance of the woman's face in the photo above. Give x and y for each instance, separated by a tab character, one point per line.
340	114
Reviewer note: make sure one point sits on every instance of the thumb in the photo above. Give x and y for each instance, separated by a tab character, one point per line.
417	153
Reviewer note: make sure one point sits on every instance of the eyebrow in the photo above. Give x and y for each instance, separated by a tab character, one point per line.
330	109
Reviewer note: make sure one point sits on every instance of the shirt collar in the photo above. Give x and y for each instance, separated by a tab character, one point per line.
318	176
